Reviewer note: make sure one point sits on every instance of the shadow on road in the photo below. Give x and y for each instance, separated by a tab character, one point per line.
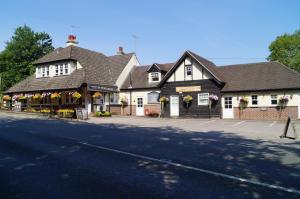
273	163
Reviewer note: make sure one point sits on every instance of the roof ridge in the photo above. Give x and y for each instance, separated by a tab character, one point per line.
231	65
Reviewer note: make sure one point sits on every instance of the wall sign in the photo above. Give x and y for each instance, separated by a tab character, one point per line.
95	87
188	89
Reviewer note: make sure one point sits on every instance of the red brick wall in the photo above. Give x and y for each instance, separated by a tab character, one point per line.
152	108
117	109
266	113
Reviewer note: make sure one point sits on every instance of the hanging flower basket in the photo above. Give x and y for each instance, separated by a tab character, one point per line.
76	96
97	95
20	98
6	98
283	100
187	99
213	99
37	96
163	100
55	96
244	102
124	100
15	98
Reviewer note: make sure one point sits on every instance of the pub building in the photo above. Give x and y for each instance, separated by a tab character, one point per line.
93	76
190	87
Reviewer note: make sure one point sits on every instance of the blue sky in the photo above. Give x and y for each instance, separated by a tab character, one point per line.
227	32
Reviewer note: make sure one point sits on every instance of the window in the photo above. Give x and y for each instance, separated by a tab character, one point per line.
228	102
43	71
154	77
188	70
61	69
38	71
254	99
153	97
274	99
66	69
47	71
114	98
203	98
56	70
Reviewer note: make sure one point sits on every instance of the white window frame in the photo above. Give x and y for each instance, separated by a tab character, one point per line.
43	71
154	75
56	70
47	71
273	99
66	69
188	68
203	99
61	69
254	100
228	103
114	98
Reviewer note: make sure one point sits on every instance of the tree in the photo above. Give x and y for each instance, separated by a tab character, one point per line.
16	59
286	50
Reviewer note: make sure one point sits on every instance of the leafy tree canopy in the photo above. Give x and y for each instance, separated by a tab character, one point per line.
286	49
16	59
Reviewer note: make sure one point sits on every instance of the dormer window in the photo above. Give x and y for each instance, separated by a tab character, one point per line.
66	69
43	71
47	71
61	69
56	70
154	77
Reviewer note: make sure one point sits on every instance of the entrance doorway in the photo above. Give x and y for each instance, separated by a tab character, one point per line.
140	107
228	109
174	106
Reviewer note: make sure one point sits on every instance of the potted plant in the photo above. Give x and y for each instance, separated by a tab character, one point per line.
163	101
65	113
76	96
187	100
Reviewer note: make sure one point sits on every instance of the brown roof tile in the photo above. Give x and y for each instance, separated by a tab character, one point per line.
259	76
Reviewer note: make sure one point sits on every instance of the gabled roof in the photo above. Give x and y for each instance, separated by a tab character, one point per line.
261	76
139	76
161	67
208	65
96	69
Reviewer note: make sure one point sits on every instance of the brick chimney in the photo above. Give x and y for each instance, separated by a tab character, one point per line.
120	51
71	41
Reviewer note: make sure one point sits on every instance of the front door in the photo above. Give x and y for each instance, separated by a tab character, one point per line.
174	106
139	107
228	109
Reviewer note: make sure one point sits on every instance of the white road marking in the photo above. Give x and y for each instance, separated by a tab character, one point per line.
238	123
170	162
207	122
272	124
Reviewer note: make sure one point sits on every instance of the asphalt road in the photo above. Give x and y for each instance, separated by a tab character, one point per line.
42	158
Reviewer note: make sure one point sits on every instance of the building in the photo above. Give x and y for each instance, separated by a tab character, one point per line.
270	89
192	86
75	69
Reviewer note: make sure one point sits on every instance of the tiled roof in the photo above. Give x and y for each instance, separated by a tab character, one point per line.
259	76
96	69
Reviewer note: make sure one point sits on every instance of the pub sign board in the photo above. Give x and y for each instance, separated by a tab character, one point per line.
184	89
96	87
